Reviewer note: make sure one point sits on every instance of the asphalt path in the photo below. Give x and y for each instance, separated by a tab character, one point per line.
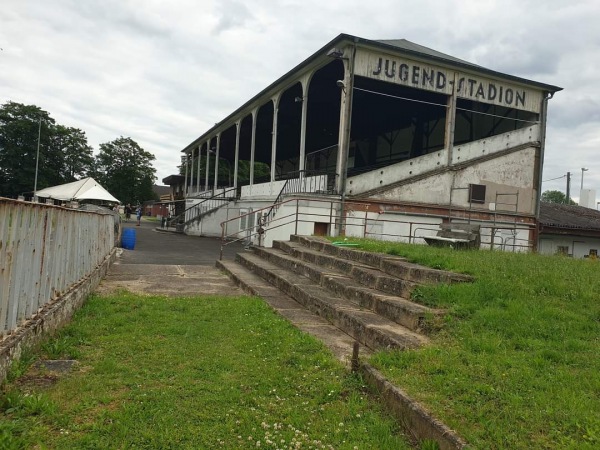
168	247
169	263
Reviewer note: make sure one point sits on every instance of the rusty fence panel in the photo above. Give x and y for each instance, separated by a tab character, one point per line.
44	251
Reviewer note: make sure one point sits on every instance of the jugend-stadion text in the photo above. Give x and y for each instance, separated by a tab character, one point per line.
430	78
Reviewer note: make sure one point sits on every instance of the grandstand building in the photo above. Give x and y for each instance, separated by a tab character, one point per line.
378	138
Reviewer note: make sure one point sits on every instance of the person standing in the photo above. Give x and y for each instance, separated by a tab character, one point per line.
138	214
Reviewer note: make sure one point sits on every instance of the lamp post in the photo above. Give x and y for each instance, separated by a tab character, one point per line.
37	161
583	170
568	196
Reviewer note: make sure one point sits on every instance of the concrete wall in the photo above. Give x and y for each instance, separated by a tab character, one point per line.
428	179
509	182
263	189
210	225
309	212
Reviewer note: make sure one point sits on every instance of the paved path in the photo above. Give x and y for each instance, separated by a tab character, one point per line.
167	263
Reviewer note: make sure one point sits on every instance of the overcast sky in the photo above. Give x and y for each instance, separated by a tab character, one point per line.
163	72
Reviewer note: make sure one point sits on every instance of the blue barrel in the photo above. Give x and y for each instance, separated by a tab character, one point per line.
128	238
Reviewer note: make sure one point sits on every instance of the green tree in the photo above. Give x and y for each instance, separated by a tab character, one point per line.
19	128
556	197
77	156
125	170
64	153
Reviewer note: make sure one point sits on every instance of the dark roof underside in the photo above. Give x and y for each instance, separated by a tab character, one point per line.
172	180
569	216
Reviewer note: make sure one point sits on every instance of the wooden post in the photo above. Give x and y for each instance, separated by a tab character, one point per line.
355	363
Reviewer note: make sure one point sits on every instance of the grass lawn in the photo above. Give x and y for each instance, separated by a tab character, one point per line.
196	373
516	364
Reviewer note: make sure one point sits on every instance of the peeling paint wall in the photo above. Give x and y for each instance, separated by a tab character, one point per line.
45	250
509	182
51	317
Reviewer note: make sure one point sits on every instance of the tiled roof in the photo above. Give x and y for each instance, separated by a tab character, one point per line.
408	45
569	216
161	190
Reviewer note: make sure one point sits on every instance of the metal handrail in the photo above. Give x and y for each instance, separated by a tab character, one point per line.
299	184
411	237
272	210
295	185
223	227
175	220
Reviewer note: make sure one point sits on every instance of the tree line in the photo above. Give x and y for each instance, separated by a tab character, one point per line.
121	166
557	197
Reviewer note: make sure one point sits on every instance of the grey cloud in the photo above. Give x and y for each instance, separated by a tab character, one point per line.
124	16
164	73
232	14
574	112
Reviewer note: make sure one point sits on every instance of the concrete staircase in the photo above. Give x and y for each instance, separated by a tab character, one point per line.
341	294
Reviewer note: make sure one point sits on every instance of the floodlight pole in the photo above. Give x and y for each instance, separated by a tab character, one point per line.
37	161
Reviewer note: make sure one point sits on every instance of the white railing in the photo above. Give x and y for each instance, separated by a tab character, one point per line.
44	251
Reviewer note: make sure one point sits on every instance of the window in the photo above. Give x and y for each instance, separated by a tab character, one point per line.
476	193
562	250
242	220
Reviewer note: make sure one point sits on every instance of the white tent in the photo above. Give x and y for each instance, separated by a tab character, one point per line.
85	189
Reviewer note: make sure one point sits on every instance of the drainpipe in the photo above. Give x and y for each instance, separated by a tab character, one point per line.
543	119
345	148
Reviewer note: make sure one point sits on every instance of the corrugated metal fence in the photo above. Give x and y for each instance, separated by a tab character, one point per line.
44	251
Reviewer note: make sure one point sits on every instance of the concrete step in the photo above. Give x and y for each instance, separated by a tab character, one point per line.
365	326
336	340
389	264
363	273
342	284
